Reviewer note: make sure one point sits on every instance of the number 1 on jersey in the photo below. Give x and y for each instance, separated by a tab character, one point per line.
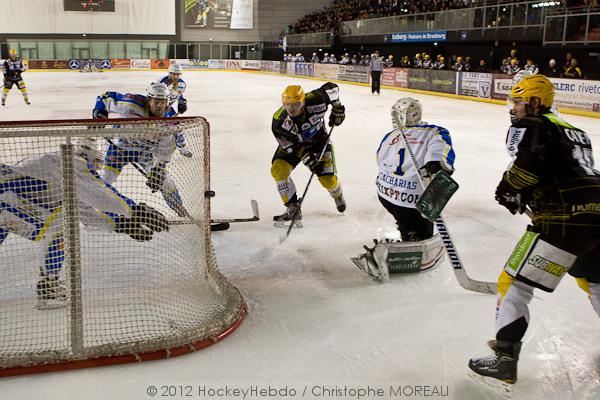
399	170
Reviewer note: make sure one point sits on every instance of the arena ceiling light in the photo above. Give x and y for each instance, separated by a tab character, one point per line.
546	4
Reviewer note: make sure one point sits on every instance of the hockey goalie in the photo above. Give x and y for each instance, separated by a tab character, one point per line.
31	206
399	187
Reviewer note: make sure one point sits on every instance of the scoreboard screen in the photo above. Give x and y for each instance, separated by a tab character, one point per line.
89	5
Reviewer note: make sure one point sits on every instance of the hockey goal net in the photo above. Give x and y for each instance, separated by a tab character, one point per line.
81	286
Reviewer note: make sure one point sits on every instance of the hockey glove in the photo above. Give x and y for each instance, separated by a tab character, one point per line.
185	152
311	160
156	178
132	228
510	198
433	167
99	114
181	106
338	114
150	218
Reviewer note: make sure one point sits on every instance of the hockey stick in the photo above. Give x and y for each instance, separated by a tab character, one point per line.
461	275
256	217
219	226
295	216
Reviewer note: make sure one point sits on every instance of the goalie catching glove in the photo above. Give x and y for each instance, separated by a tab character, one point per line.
338	114
144	222
156	178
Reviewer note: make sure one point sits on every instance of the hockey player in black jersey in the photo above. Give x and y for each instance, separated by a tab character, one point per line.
299	128
552	174
13	67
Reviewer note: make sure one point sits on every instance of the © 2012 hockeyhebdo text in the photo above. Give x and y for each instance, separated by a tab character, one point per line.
315	391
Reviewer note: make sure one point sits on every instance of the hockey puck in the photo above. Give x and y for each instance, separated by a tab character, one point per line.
209	193
219	226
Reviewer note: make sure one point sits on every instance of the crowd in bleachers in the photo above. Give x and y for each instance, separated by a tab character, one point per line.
347	10
510	65
328	18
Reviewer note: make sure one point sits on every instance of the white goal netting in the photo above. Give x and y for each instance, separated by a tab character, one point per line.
95	273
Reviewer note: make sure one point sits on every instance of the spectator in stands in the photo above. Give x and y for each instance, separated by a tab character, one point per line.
458	65
405	62
482	66
551	71
345	59
573	72
496	56
531	67
467	64
299	57
389	63
513	68
440	64
427	63
315	59
376	66
567	63
417	61
505	66
325	59
332	59
355	60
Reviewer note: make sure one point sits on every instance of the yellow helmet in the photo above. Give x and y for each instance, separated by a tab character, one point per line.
12	52
534	86
293	94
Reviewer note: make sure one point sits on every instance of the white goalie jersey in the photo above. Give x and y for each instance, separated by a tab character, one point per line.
397	181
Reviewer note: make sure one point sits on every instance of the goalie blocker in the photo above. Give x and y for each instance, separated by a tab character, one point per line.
389	257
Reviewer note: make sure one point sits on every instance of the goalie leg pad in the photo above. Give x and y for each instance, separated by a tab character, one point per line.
400	257
366	263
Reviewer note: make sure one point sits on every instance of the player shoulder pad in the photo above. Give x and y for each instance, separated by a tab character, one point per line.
316	98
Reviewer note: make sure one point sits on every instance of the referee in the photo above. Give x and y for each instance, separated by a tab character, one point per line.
376	66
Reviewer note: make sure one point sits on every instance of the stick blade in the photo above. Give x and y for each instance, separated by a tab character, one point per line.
254	205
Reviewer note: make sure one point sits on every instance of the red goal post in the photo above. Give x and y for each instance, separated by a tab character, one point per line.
126	300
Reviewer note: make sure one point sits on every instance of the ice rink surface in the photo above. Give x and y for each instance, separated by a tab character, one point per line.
315	321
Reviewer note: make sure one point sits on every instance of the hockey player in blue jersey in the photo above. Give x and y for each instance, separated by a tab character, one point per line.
31	206
177	86
400	184
151	155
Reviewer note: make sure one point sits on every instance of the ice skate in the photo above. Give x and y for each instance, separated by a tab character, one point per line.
499	369
51	293
284	220
340	203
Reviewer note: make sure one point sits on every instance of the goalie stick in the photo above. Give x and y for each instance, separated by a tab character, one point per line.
459	271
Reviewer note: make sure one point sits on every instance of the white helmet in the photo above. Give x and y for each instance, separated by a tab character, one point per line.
406	112
88	148
158	90
175	69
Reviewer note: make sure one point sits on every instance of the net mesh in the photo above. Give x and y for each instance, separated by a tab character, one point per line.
92	270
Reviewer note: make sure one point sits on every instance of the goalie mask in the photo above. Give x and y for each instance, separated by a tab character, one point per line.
406	112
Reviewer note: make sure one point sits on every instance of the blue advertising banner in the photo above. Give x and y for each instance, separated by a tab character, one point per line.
405	37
